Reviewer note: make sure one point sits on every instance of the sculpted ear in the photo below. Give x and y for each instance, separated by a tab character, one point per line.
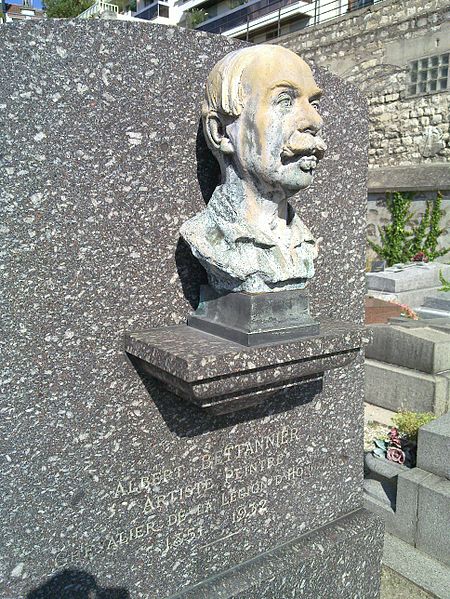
216	132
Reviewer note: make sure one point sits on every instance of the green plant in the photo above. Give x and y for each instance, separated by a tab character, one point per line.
445	283
401	241
408	423
426	234
195	17
66	8
395	239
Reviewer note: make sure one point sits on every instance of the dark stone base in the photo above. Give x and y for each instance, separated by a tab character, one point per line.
341	560
254	318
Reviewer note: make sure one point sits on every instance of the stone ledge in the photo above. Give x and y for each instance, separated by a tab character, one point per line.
418	177
222	376
427	573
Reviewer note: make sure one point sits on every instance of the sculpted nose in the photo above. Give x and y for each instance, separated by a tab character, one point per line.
310	120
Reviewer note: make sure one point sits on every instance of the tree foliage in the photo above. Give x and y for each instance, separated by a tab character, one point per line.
195	16
66	9
401	240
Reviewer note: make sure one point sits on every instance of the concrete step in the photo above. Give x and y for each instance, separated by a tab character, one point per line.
425	574
424	348
396	388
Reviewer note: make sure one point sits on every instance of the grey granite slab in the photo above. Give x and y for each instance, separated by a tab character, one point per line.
439	301
407	277
419	348
396	388
107	473
298	568
433	448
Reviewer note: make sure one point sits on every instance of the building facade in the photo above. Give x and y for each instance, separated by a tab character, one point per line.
21	12
253	20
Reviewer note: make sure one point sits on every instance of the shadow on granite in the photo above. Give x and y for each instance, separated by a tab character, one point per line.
188	420
75	584
208	169
191	273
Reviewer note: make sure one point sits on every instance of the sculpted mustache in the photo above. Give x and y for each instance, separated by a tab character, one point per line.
304	144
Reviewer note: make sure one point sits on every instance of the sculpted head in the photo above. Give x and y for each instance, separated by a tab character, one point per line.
260	118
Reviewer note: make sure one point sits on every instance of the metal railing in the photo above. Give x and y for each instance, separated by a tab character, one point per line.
98	8
318	11
244	15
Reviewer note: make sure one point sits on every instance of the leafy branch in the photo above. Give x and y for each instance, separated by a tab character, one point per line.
401	241
445	283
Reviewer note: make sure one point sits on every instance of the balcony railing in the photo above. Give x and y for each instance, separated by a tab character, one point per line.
155	10
244	15
317	12
97	9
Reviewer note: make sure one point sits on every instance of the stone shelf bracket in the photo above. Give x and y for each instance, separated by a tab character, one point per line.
222	376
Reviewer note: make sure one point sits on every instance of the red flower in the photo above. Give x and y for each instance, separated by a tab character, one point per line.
394	454
420	257
394	437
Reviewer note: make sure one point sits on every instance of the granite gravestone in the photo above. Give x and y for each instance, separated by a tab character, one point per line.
113	486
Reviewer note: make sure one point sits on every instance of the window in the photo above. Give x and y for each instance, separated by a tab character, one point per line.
163	10
428	75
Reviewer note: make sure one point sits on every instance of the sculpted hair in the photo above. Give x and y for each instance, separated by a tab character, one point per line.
224	94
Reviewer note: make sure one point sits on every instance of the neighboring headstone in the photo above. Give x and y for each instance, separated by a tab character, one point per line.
111	482
415	503
436	305
422	348
439	301
396	388
408	366
433	452
407	283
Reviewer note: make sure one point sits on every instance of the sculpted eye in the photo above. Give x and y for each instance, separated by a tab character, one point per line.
284	100
316	105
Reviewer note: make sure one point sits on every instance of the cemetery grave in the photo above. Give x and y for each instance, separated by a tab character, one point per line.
130	470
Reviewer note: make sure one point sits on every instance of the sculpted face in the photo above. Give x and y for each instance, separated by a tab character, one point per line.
275	139
261	121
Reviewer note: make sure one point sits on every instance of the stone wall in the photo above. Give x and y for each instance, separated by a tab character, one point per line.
372	48
409	136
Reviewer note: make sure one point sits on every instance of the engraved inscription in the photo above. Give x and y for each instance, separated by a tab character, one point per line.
210	499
